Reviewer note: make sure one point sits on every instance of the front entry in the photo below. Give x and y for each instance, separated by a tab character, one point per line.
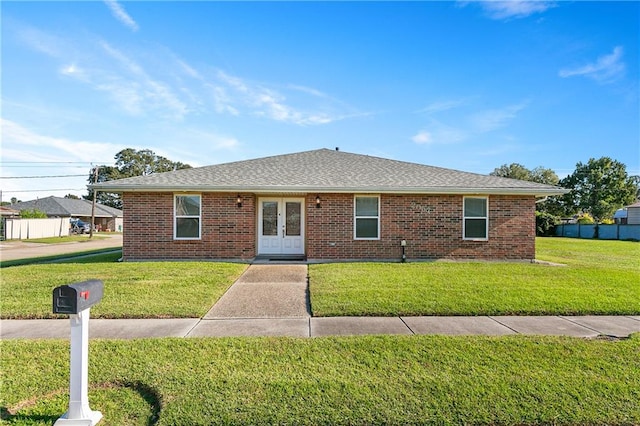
281	226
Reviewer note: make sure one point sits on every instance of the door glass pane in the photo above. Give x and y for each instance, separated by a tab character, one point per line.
269	218
293	219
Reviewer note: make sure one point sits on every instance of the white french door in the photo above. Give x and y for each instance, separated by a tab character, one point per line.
281	226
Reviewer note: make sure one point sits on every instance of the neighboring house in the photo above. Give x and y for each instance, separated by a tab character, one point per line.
633	214
8	212
327	205
107	218
620	216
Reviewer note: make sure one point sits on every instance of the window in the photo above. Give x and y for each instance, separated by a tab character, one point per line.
187	217
367	218
475	224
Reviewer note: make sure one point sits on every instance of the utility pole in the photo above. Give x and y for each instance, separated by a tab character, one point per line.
93	206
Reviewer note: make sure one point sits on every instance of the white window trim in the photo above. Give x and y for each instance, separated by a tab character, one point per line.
176	217
464	220
355	218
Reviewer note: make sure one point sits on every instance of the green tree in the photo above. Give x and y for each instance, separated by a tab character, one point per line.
538	175
512	171
33	214
599	188
129	163
518	171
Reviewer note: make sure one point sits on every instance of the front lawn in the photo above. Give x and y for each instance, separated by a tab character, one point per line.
343	381
132	290
600	277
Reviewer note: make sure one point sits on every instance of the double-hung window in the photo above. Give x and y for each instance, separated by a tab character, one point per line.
367	217
187	217
475	224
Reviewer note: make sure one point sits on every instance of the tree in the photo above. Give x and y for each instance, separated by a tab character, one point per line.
518	171
129	163
512	171
72	197
599	188
538	175
33	214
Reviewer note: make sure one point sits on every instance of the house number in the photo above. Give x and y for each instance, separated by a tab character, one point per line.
421	208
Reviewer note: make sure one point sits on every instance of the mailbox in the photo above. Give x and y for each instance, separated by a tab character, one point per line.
74	298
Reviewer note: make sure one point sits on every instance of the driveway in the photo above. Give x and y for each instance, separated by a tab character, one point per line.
14	250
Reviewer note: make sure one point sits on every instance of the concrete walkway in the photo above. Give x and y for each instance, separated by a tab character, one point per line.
273	300
578	326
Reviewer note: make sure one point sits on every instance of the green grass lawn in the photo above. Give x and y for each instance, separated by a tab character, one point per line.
65	239
600	277
132	290
343	381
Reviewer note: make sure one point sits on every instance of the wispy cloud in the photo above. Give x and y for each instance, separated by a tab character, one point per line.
468	125
493	119
40	41
438	133
441	106
511	9
232	94
36	146
605	69
121	15
138	87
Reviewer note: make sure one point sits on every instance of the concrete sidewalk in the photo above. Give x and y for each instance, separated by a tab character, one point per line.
575	326
273	300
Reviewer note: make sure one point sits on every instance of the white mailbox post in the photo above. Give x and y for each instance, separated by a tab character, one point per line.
76	300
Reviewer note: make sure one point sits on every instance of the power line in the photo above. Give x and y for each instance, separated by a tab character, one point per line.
39	177
45	190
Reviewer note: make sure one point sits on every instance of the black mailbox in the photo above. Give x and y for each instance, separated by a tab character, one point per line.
74	298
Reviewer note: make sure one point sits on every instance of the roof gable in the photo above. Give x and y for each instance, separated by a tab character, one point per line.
326	170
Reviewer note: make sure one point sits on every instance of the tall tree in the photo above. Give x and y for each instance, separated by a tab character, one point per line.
538	174
599	188
518	171
129	163
513	171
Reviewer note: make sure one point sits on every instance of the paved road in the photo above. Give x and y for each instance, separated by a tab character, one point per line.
14	250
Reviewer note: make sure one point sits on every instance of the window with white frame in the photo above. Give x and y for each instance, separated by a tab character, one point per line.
475	223
366	217
187	217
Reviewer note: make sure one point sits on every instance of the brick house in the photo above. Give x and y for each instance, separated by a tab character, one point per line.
327	205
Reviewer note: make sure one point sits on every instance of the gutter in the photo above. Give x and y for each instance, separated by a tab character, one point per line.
538	192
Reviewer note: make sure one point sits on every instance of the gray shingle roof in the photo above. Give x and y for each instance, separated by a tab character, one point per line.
326	171
66	207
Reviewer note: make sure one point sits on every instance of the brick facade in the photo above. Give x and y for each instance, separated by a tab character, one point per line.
228	231
431	225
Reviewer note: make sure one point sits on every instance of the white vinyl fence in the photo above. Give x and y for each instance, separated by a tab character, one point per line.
28	229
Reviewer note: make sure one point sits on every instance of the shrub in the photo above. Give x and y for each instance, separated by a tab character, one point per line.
33	214
586	219
545	224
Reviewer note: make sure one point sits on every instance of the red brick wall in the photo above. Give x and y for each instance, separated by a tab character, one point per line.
431	225
228	232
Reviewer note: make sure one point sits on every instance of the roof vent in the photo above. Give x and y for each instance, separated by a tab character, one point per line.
337	148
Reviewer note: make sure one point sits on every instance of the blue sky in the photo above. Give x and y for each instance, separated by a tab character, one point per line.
463	85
